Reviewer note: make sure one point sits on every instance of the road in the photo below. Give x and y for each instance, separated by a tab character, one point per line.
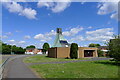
16	68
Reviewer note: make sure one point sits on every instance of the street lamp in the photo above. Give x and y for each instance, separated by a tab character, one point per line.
11	49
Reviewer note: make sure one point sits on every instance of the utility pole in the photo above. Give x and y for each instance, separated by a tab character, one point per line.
11	49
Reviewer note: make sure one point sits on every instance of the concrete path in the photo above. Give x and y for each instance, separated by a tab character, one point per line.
16	68
60	62
4	57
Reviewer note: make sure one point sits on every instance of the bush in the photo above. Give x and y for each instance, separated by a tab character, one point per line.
74	51
100	53
7	49
114	48
45	47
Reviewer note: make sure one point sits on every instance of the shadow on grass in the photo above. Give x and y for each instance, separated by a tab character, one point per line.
47	56
108	63
111	63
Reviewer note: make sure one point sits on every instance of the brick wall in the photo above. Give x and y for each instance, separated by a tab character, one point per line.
64	52
52	52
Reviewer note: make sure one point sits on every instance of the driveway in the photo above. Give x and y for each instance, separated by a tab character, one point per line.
16	68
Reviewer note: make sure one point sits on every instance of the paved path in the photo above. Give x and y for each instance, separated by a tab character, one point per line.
4	57
92	59
15	68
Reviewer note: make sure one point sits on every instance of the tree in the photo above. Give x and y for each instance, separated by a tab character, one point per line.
6	49
97	45
114	48
74	51
45	47
0	46
94	45
31	46
18	50
100	53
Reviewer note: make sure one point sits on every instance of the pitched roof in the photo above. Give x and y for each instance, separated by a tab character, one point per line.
30	48
106	47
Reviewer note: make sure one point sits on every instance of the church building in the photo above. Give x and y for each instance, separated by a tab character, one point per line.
61	48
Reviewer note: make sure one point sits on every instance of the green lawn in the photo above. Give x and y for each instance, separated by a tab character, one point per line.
43	58
90	69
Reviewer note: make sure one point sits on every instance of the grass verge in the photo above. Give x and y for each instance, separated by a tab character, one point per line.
90	69
43	58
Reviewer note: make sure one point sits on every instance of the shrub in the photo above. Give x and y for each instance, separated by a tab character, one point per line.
100	53
114	47
74	51
45	47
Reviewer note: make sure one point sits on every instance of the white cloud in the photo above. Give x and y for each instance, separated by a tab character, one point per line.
60	6
77	38
27	37
85	45
42	3
14	7
21	42
54	6
17	43
8	33
42	37
73	31
90	27
51	33
29	13
114	16
4	37
12	42
38	36
38	45
45	37
17	31
13	0
101	38
100	34
107	8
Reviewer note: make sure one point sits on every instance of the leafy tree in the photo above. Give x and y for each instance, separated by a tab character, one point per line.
94	45
97	45
114	48
74	51
100	53
45	47
20	50
31	46
6	49
0	46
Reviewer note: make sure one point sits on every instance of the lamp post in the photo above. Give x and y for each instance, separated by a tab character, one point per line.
11	49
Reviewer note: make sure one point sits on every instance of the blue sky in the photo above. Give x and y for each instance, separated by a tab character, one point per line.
33	23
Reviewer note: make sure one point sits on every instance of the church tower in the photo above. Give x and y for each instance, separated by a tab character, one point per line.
60	41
